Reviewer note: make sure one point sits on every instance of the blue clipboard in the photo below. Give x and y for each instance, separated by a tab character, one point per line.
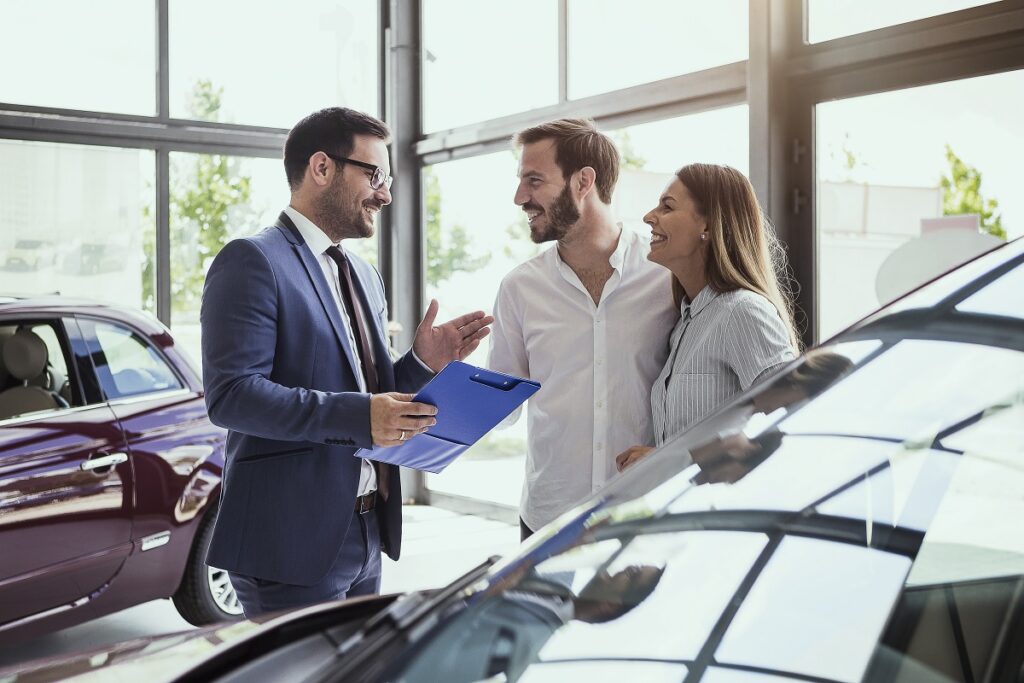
470	402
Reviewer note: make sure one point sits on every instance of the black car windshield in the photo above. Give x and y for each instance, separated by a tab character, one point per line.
855	517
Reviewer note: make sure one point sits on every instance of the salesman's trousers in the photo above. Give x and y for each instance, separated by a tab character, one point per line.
356	571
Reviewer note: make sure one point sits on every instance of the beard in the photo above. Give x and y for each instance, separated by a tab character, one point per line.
337	215
561	217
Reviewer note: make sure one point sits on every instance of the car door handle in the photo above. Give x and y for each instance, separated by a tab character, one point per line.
108	460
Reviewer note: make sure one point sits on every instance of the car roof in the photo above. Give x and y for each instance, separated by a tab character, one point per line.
55	304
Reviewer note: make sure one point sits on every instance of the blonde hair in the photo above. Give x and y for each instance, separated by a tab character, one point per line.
743	251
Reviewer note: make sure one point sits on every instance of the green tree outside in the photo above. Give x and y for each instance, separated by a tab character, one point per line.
209	195
446	254
961	194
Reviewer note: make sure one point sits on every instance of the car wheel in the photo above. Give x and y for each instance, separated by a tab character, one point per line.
205	595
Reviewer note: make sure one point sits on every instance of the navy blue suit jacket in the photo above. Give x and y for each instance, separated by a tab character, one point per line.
280	376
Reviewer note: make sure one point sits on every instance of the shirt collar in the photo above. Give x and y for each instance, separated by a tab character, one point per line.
617	257
315	238
700	302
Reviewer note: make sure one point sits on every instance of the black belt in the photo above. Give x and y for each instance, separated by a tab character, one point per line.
366	503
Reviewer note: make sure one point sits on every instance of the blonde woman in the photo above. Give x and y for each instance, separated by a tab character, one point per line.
736	321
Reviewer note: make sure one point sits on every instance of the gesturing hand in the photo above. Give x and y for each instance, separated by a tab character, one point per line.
630	456
395	418
438	345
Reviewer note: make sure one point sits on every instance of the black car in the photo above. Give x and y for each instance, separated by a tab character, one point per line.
855	517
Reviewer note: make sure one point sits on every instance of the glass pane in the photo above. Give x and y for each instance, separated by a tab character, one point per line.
976	533
828	19
702	572
75	55
76	220
677	38
1002	297
802	470
817	609
485	60
134	366
911	183
475	234
953	618
652	153
913	391
244	62
214	198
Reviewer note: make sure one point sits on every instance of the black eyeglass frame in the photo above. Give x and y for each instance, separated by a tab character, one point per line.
378	178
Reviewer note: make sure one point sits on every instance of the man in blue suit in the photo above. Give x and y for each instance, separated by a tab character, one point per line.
297	367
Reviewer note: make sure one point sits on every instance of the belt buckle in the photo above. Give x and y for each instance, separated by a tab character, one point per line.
366	502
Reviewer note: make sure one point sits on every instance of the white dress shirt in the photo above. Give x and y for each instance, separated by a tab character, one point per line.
595	363
722	344
318	243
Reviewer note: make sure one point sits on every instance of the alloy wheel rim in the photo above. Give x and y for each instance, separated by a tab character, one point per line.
222	591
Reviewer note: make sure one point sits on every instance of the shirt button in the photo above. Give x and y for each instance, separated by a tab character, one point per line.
600	405
599	446
597	362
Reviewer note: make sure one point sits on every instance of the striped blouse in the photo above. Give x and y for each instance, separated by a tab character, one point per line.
721	345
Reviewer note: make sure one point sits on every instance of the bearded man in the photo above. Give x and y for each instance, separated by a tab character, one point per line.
588	318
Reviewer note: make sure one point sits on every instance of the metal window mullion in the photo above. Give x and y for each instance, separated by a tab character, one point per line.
163	236
688	93
401	240
163	79
563	51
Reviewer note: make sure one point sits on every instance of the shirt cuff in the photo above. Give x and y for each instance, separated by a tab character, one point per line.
422	364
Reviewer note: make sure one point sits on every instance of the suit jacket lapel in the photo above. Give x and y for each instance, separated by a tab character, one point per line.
316	275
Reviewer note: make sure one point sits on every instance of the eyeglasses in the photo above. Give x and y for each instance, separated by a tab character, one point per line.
378	178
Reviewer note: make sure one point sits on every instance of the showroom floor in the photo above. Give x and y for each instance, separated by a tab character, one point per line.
438	546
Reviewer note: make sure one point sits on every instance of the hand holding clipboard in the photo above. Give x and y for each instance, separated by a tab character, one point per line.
470	402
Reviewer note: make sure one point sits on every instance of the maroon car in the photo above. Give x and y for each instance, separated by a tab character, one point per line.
110	469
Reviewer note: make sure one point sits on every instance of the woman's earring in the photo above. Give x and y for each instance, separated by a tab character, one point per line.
703	236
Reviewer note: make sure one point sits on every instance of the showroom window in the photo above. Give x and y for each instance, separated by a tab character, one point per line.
471	73
828	19
474	235
271	64
614	45
50	61
909	183
76	219
652	153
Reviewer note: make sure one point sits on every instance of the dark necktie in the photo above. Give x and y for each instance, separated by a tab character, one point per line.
357	319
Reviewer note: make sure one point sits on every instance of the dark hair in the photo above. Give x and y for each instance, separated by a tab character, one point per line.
600	606
577	144
329	130
818	371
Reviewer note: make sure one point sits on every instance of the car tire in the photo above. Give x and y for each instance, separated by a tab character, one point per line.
205	595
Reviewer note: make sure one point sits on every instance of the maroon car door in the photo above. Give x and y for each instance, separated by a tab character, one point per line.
65	482
169	436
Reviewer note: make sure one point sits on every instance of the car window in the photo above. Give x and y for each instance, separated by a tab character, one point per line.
899	393
948	284
133	366
1002	297
616	601
856	517
34	373
780	616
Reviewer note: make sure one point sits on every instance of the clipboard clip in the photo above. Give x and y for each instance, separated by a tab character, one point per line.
499	382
